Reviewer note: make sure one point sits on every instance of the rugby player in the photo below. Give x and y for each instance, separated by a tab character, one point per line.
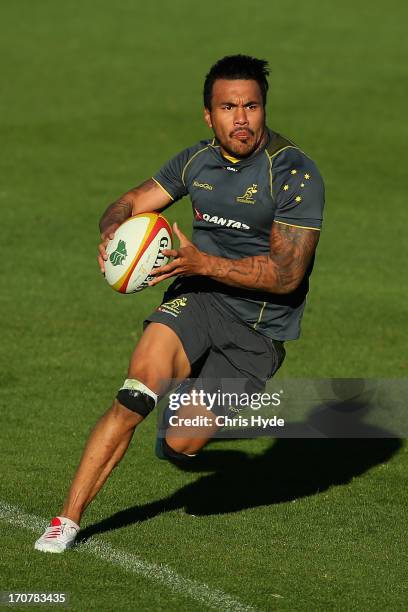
241	282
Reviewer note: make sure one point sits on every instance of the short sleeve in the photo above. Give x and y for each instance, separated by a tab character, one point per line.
298	190
170	176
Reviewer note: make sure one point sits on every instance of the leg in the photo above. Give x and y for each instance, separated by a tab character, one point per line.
188	440
177	438
223	370
158	356
104	449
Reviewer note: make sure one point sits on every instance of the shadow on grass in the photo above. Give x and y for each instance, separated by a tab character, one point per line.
289	469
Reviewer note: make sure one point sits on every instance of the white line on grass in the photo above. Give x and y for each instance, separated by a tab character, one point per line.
160	574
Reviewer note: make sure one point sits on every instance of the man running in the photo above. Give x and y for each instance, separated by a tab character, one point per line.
241	281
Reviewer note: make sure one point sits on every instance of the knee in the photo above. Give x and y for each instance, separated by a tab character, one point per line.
136	397
142	370
177	446
167	450
181	446
151	371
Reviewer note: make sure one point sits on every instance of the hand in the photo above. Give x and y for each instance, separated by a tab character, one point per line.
107	235
188	260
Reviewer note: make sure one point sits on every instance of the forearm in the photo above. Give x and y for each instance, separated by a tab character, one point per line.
147	197
261	272
116	213
279	271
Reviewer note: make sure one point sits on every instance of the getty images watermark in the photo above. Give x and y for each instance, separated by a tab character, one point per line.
198	408
292	408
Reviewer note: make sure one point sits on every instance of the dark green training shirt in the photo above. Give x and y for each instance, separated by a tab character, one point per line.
234	206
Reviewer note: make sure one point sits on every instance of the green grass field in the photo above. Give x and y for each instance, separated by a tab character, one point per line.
95	97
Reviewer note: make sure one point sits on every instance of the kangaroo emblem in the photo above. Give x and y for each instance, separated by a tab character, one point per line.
173	307
247	198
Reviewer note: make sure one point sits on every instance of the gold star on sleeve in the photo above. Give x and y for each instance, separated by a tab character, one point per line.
293	171
298	199
285	187
307	176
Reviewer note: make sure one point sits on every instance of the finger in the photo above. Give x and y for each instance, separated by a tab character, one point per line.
102	251
167	268
106	238
170	252
109	233
101	264
183	239
162	277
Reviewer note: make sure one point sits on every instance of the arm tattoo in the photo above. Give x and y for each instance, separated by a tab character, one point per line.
121	210
281	271
115	213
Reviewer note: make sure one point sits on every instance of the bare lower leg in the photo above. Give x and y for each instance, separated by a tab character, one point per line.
104	449
112	434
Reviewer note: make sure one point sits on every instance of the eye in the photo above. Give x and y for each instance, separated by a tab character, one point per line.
226	106
252	106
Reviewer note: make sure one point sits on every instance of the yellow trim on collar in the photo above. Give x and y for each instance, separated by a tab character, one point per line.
234	160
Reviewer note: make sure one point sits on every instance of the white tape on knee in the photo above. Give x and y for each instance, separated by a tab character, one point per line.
133	384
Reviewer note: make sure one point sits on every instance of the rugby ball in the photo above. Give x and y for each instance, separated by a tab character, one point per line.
135	251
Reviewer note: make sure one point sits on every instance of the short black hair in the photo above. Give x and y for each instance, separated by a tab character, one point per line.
237	67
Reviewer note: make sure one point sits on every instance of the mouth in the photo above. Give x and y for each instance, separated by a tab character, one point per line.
242	134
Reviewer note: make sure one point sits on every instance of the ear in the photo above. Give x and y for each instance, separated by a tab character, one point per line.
207	117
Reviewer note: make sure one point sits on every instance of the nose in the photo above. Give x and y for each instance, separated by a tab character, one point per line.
240	116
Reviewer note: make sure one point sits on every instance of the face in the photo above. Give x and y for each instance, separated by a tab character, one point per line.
237	116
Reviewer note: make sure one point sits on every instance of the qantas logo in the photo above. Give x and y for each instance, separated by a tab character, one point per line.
220	220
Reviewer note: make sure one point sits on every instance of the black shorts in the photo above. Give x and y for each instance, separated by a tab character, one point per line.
219	347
